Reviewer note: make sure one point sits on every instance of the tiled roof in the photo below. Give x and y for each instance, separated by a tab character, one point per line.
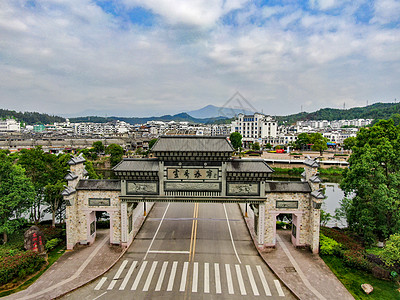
68	191
99	184
129	164
311	162
192	144
287	187
244	165
76	160
70	176
318	194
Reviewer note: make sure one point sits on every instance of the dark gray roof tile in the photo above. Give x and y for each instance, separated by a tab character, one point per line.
248	165
139	164
287	187
99	184
192	144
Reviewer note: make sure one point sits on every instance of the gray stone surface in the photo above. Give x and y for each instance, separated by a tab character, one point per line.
34	239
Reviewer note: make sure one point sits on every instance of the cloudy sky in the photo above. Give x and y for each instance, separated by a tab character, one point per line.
154	57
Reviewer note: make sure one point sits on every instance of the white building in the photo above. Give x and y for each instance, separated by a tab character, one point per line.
255	127
10	125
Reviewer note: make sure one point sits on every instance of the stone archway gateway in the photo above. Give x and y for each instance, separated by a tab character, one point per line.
192	169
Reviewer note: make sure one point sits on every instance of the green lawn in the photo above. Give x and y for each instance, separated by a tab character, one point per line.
53	256
352	280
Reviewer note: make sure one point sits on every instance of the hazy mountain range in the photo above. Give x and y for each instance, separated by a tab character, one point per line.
213	114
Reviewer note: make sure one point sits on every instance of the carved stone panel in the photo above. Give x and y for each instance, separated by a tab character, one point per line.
287	204
141	188
192	173
193	186
243	189
99	201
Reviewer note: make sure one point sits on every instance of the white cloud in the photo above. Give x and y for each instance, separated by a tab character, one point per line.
386	11
71	56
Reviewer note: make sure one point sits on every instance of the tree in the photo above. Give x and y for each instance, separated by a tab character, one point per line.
152	142
319	142
391	253
236	140
44	169
116	152
302	141
373	177
268	146
349	143
17	193
98	147
255	146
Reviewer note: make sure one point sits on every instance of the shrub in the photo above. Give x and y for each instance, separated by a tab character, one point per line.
329	246
281	225
52	243
380	272
355	259
348	241
391	253
52	232
19	265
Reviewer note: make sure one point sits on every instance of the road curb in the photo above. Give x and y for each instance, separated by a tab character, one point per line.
260	254
112	265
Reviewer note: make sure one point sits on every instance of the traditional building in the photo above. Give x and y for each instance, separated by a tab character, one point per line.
192	169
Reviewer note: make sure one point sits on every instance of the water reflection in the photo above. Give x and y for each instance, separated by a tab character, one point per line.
334	195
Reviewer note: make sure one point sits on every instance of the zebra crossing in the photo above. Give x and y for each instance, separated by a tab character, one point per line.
195	277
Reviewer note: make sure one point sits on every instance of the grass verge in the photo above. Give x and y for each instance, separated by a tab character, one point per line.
53	256
353	278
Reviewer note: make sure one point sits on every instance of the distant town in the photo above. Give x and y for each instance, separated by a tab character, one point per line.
254	128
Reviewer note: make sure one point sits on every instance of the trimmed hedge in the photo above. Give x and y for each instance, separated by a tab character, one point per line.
18	265
329	246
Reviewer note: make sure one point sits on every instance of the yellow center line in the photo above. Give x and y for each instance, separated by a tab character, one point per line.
191	236
195	231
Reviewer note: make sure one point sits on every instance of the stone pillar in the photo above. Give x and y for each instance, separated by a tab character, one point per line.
161	178
124	223
91	221
314	226
261	225
297	218
223	179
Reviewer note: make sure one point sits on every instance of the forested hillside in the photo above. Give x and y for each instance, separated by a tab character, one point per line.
30	118
374	111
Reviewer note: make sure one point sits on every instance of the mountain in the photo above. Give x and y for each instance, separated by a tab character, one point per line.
375	111
211	111
182	117
30	118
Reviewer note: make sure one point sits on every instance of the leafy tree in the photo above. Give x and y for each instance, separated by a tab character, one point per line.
303	139
391	253
268	146
236	140
44	169
325	218
319	142
98	147
91	171
374	178
116	152
16	195
53	197
349	143
152	142
255	146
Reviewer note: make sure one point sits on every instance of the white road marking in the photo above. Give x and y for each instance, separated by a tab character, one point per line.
139	276
101	295
252	281
172	276
206	277
161	277
240	279
229	279
195	277
184	275
217	279
116	276
150	276
168	252
230	233
279	288
263	281
158	228
128	276
100	284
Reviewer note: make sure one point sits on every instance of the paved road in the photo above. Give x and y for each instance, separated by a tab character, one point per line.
189	251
